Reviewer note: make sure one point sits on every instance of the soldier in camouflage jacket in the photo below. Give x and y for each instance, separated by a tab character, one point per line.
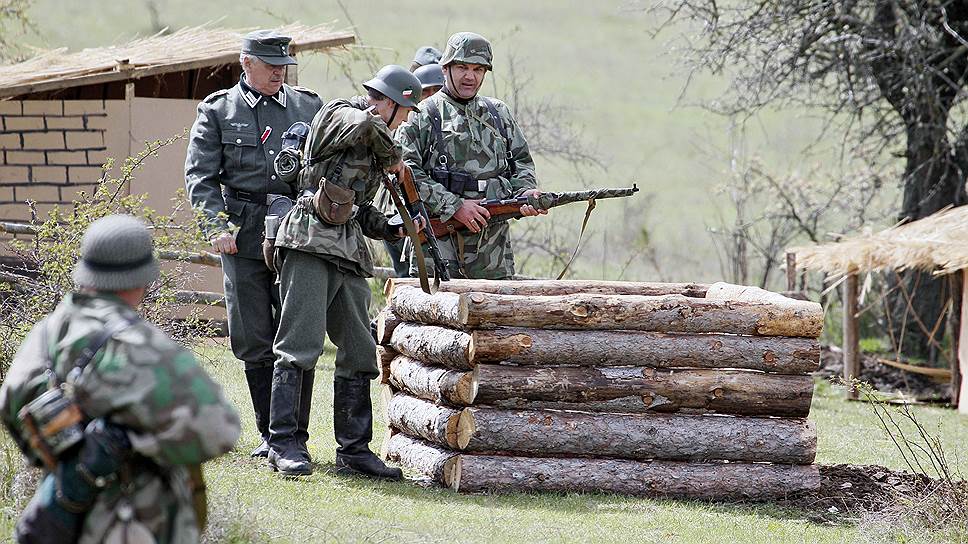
170	413
463	147
322	270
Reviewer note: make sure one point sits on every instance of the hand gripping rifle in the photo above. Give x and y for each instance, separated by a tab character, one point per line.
409	208
510	208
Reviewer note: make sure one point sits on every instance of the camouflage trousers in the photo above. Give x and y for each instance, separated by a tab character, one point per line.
319	298
486	255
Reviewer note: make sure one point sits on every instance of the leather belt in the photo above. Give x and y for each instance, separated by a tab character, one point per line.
251	196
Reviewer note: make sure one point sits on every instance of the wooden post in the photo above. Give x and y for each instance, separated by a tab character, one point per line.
791	271
851	334
954	329
963	348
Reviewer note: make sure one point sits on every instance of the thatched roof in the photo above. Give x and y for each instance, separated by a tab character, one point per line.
185	49
937	243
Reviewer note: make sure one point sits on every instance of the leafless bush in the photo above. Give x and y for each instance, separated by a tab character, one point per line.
934	512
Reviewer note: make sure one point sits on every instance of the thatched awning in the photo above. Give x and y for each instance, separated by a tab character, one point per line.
937	243
185	49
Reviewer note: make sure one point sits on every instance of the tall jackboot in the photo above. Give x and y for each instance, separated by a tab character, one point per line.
260	390
305	406
353	425
285	454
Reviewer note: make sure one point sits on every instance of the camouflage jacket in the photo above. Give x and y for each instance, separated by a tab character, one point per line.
475	146
353	148
232	146
176	415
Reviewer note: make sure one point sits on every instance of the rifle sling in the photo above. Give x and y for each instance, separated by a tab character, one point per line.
584	223
411	230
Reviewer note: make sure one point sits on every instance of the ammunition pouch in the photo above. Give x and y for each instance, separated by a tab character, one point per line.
457	182
333	204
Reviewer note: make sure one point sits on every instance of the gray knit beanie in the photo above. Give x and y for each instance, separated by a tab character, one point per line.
116	254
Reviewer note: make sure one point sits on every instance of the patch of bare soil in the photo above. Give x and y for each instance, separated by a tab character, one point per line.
848	491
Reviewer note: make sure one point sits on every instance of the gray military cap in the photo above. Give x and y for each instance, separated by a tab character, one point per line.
116	254
425	55
268	46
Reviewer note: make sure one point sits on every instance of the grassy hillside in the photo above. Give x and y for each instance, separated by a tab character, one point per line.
597	58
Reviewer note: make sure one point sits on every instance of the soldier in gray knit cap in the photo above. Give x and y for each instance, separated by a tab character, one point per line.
136	415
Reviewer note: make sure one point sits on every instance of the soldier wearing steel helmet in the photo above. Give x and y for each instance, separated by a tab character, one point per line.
425	54
431	78
464	147
132	413
323	261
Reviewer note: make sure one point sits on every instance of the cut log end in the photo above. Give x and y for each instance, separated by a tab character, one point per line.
452	470
465	428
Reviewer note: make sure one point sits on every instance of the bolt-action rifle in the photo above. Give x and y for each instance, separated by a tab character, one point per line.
510	208
409	208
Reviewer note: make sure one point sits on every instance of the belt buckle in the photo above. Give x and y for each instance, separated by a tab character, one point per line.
482	185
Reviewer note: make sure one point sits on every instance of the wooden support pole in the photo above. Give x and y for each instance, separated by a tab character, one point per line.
954	329
963	347
555	287
791	271
851	335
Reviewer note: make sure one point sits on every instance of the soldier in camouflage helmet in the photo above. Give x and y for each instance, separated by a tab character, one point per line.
152	414
462	148
323	262
229	175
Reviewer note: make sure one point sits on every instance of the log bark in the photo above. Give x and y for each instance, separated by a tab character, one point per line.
429	460
447	347
432	383
746	293
417	417
386	322
461	350
697	391
636	436
704	481
670	313
555	287
385	355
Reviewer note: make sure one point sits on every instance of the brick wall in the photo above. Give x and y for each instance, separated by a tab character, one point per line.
51	150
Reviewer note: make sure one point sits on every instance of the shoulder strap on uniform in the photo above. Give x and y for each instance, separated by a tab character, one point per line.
436	132
492	109
87	354
215	95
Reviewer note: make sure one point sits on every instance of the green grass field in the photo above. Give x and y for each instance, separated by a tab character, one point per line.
621	85
249	503
258	505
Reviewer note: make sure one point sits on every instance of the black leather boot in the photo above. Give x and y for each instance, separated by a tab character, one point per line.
260	390
305	406
285	455
353	425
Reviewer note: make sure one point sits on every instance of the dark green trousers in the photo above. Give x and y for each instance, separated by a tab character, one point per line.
318	298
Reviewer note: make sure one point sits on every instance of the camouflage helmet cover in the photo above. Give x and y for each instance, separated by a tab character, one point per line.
469	48
397	84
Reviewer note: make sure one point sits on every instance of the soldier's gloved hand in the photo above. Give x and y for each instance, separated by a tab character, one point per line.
45	519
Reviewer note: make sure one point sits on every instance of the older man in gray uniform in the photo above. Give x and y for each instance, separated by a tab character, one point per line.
229	175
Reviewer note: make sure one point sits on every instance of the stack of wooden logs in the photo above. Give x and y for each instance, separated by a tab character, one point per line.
680	390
